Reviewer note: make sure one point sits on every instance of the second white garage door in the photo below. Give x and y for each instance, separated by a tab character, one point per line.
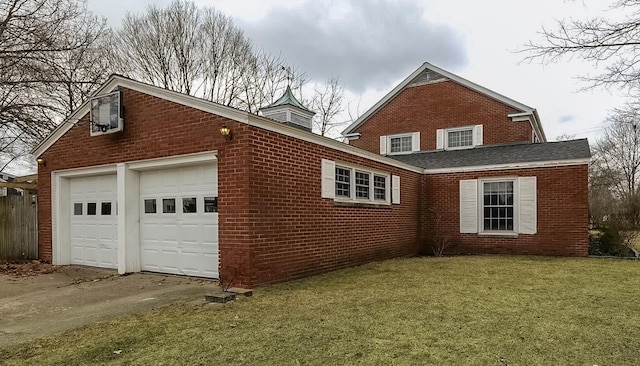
179	220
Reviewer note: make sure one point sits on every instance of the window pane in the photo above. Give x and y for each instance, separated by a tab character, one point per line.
362	185
211	204
189	205
169	205
379	187
77	208
91	208
150	206
343	186
105	208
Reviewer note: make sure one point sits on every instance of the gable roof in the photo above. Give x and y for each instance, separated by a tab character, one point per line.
525	110
115	81
500	156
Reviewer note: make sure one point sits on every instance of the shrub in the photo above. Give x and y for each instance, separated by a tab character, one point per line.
610	240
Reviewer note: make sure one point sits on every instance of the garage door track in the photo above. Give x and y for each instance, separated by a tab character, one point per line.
74	296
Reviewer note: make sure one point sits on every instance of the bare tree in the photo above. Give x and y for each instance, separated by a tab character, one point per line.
46	54
615	170
613	43
198	51
327	103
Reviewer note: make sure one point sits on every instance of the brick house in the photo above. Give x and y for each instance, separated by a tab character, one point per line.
271	201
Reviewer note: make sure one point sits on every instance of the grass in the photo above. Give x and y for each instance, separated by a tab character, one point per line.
419	311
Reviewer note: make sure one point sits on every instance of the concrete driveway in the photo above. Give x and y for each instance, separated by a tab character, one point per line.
73	296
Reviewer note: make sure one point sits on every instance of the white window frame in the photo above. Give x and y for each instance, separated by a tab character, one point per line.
459	129
328	185
400	136
385	143
516	207
442	137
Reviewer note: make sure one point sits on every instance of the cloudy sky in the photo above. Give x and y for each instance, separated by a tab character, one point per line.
373	45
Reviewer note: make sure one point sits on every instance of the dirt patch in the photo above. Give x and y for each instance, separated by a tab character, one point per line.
39	304
30	268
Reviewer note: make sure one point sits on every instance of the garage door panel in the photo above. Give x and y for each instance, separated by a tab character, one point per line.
187	241
94	238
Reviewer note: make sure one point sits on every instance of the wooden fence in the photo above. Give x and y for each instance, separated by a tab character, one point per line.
18	228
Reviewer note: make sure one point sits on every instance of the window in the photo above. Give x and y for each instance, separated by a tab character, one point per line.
343	179
362	185
168	205
77	209
357	184
400	144
498	206
211	204
189	205
91	208
497	211
379	187
460	138
105	208
150	205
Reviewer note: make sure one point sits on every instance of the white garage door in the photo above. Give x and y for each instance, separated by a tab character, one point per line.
94	230
179	220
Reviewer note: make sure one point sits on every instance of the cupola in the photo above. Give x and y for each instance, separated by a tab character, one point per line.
290	111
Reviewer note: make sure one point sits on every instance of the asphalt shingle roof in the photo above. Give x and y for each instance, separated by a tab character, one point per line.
498	154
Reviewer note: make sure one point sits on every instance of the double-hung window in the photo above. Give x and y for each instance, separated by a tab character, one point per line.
343	182
498	206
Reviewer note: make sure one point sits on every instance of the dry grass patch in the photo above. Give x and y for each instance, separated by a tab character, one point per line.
461	310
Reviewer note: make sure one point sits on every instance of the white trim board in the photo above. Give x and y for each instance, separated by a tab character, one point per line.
220	110
510	166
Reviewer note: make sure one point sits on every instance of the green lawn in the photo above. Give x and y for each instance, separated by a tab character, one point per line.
420	311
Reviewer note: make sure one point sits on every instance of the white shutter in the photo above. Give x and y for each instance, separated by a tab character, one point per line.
469	206
395	189
415	141
527	209
383	145
440	139
328	179
477	138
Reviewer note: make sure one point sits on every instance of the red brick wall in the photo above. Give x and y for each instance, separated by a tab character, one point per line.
562	203
273	224
440	105
296	233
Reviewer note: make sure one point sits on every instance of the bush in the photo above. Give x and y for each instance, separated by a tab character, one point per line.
610	240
